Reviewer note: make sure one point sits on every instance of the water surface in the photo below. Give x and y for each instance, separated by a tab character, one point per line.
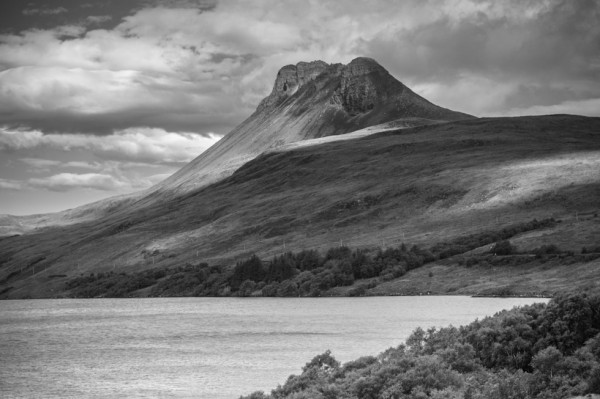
202	347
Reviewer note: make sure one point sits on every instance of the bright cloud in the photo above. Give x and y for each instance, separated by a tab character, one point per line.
112	177
67	181
139	144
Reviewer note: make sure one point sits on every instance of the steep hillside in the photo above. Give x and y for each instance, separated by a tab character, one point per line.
419	185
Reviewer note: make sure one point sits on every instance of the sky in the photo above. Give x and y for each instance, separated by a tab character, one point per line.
106	97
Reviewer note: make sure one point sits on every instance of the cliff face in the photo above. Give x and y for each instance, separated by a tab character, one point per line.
289	79
358	91
309	100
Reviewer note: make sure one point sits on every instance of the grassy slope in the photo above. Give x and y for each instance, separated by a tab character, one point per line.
448	277
422	185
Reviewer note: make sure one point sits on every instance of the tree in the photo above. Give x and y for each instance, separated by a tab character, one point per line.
546	360
247	287
281	268
324	361
250	269
288	288
594	380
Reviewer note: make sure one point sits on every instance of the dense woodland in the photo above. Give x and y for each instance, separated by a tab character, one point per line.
311	273
539	351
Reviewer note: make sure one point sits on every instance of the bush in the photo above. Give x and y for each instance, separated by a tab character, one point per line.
545	250
503	247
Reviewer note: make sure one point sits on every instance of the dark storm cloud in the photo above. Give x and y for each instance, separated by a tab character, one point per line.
550	51
563	40
19	15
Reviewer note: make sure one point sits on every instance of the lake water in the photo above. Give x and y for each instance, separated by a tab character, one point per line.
202	347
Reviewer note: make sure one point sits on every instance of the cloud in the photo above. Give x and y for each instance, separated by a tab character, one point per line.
82	165
521	38
135	144
42	164
63	182
590	107
7	184
551	46
98	19
39	162
67	181
109	176
44	11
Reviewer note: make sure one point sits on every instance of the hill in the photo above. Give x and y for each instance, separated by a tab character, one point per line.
308	100
419	185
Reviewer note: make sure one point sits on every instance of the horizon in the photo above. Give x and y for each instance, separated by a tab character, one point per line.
103	98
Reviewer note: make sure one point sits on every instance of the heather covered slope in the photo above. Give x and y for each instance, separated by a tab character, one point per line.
420	185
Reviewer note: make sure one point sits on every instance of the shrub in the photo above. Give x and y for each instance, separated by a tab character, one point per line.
503	247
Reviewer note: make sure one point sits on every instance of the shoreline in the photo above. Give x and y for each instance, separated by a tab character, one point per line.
541	296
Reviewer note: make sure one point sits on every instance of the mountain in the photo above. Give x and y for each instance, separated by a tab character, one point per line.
340	155
310	100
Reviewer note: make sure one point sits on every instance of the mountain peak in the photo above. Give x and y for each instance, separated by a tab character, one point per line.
361	83
292	77
363	66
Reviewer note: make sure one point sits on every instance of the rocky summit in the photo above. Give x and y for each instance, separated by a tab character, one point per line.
358	88
289	79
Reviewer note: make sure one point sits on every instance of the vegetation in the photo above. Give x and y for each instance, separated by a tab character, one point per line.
311	273
180	281
504	253
470	242
538	351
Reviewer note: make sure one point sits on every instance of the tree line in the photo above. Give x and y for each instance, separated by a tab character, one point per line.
303	273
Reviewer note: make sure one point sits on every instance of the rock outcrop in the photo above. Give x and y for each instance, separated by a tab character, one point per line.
290	78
